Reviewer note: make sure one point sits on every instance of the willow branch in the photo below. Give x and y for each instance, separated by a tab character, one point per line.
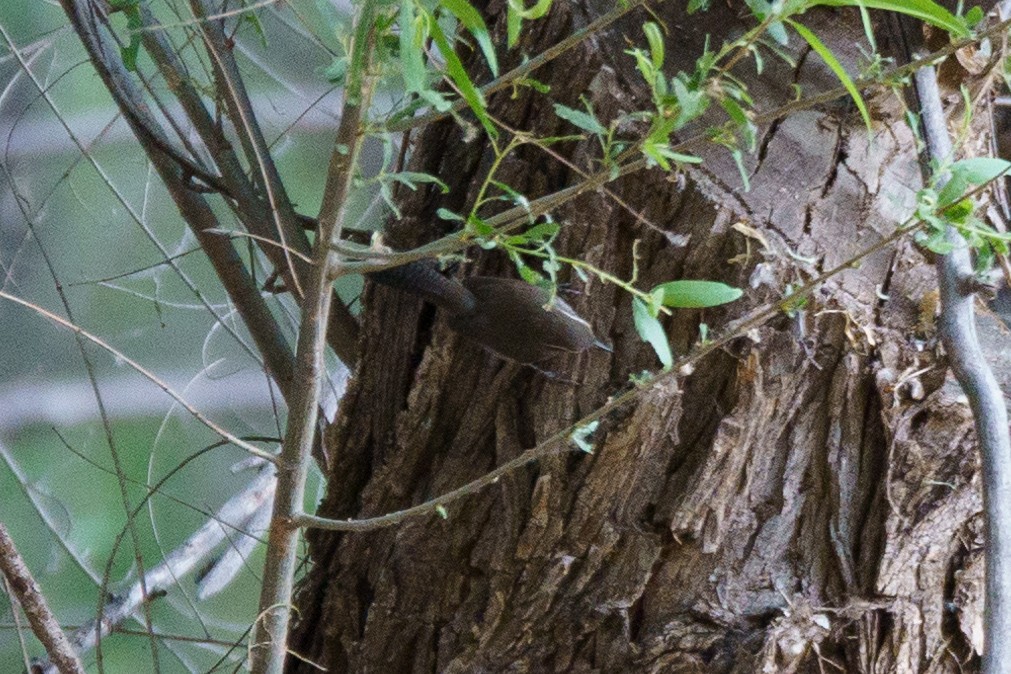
343	328
268	648
957	326
239	285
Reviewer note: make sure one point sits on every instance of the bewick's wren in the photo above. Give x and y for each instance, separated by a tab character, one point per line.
507	316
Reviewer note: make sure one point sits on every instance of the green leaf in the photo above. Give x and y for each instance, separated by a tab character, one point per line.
543	231
411	178
517	12
741	168
692	101
457	73
412	56
513	23
952	191
539	9
446	214
651	331
472	21
583	120
974	16
981	170
975	171
696	294
655	39
531	276
479	227
739	117
826	54
924	10
134	24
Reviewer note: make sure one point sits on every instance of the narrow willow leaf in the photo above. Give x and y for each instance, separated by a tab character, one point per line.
651	331
924	10
539	9
457	73
696	294
517	12
513	23
446	214
583	120
472	21
826	54
411	178
412	60
655	39
543	231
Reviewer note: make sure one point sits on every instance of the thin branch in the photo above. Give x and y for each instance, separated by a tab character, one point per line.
342	329
558	442
508	79
33	603
957	326
515	217
231	89
241	288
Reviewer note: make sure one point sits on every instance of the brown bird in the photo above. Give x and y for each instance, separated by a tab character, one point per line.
516	320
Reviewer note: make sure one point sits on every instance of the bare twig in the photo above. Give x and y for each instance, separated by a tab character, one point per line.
957	326
44	624
342	332
241	288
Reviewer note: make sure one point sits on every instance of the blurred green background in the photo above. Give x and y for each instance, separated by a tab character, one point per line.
63	507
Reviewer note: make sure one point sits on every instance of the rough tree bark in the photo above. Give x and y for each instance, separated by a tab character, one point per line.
807	499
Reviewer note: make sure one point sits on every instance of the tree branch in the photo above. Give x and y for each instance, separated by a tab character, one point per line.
240	286
270	636
44	624
957	326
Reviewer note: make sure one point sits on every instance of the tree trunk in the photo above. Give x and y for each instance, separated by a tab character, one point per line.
805	499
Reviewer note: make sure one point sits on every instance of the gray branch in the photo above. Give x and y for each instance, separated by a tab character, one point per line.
957	325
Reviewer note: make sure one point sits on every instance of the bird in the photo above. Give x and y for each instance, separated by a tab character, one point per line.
509	317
